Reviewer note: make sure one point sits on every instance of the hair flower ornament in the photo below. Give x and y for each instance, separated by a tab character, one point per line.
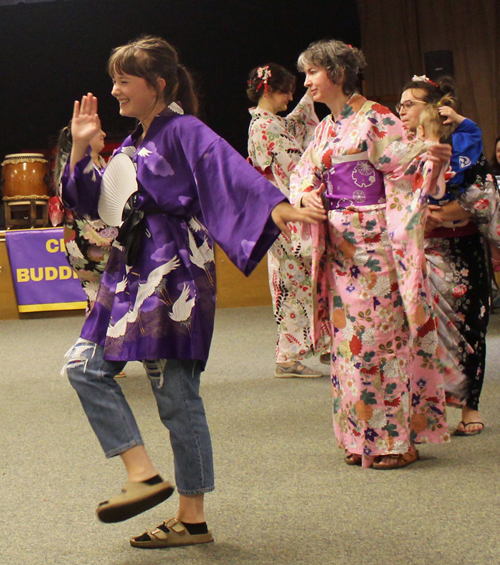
423	78
264	73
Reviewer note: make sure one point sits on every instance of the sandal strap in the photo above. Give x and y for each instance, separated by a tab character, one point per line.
173	524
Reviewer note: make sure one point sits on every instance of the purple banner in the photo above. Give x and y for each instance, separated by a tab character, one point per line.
42	278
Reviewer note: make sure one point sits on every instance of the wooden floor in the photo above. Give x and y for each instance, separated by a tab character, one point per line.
234	290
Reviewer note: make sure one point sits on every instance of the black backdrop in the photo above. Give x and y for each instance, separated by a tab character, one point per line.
53	52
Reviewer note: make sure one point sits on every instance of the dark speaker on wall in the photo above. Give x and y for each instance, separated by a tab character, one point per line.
438	64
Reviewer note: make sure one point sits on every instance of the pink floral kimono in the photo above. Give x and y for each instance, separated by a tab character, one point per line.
370	283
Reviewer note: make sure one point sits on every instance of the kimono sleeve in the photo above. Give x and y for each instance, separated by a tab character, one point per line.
236	204
279	155
482	199
405	212
81	190
302	121
307	174
467	147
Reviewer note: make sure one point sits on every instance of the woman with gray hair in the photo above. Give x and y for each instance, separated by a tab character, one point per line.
368	279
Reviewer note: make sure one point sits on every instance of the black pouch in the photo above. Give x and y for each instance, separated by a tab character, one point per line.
130	234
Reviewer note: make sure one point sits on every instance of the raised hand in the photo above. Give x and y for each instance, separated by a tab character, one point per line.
451	116
85	125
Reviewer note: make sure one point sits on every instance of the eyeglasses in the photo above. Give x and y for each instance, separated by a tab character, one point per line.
407	105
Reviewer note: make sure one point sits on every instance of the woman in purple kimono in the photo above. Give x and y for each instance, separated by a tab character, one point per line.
156	302
367	266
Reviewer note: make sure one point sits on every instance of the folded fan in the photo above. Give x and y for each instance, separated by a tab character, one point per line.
119	182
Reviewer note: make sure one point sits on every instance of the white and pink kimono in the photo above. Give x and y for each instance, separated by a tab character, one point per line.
369	281
275	145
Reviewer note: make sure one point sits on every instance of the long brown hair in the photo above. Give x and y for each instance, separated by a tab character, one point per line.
151	58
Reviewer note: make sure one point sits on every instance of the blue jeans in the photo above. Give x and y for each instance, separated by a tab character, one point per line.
175	384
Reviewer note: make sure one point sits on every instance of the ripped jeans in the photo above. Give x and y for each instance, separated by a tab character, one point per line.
175	384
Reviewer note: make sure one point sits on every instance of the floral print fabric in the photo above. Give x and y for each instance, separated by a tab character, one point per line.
371	286
88	243
275	143
460	279
275	146
458	271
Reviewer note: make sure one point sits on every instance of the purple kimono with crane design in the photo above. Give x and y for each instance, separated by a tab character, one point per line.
193	186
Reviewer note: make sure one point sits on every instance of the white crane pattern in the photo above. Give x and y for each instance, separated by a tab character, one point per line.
144	291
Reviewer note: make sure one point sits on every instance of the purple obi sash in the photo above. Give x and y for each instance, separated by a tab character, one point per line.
353	181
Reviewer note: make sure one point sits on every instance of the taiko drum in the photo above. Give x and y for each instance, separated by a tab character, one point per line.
24	174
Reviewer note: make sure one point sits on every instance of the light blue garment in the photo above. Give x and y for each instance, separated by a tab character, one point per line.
175	384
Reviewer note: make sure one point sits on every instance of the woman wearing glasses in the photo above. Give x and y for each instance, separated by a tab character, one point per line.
455	252
367	267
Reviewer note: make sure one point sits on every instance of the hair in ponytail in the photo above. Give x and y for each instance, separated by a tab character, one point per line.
186	92
151	58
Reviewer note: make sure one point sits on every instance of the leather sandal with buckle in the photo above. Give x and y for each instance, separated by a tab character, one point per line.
134	498
297	369
400	461
171	533
352	458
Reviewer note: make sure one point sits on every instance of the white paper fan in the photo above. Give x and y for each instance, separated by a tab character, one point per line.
119	182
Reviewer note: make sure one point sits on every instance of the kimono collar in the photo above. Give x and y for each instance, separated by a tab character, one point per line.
255	112
173	109
352	106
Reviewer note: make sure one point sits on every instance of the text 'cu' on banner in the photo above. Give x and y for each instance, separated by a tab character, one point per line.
42	278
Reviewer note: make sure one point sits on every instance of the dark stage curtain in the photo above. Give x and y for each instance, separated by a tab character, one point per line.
397	33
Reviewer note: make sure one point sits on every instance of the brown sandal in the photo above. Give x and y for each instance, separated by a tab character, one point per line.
171	533
400	461
465	432
352	459
297	369
134	498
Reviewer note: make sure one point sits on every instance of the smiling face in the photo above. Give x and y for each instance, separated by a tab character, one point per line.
321	87
137	98
412	103
280	100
